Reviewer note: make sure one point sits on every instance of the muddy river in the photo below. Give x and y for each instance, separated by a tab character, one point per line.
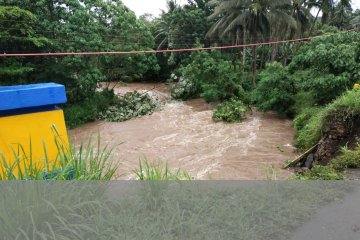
184	135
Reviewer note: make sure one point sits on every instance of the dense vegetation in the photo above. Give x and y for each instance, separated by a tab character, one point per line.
74	26
309	81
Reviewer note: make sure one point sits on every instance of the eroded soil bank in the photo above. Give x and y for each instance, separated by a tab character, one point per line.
184	135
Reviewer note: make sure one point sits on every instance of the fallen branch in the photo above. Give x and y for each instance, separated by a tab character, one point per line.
301	157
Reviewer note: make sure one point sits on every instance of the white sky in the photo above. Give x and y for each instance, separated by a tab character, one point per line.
149	6
153	6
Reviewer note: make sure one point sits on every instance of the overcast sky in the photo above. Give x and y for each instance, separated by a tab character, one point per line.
148	6
153	6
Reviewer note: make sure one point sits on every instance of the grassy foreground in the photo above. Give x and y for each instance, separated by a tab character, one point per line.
160	210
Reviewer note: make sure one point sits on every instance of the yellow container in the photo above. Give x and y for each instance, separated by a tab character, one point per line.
27	135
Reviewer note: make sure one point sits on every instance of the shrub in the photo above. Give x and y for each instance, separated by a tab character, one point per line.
303	101
231	111
319	172
275	90
131	105
209	76
347	159
327	66
186	88
87	111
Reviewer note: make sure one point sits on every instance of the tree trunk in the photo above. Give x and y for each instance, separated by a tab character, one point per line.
262	60
313	25
254	59
254	67
244	49
274	52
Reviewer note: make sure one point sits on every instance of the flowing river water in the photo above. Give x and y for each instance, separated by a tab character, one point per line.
184	135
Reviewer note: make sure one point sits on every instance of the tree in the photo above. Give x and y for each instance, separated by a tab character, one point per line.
342	14
17	34
355	21
324	6
249	17
81	26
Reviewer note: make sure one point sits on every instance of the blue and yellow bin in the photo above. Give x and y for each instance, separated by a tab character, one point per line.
32	127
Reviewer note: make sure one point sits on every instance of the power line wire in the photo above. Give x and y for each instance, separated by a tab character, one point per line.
59	54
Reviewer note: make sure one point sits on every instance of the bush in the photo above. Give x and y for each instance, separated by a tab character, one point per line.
303	101
87	111
131	105
319	172
347	159
327	66
231	111
275	90
208	76
185	88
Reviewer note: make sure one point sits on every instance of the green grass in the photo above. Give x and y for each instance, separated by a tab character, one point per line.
311	132
85	162
302	119
344	108
157	171
160	210
319	172
348	159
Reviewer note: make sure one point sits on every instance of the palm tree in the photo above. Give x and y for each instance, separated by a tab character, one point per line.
324	6
301	14
164	26
253	17
342	14
230	22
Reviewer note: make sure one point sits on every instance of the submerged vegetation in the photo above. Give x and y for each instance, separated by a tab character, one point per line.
231	111
131	105
80	113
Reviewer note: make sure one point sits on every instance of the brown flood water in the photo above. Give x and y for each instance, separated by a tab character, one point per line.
184	135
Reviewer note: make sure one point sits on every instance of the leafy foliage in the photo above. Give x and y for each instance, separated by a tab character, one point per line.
231	111
73	26
131	105
87	111
18	34
327	66
276	90
210	77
